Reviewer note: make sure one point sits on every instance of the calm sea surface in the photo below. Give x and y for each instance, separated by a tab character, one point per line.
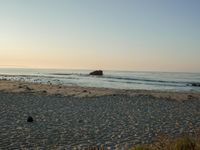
110	79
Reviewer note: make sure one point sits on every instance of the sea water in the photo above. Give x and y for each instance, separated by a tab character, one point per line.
169	81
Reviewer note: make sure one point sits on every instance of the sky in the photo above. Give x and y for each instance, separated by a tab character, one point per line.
134	35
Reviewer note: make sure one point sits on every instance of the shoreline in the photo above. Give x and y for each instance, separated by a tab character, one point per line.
78	91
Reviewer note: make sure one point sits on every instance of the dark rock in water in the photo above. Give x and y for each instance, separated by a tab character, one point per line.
97	73
195	84
30	119
4	79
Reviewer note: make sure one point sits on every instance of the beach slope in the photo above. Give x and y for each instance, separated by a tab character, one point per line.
90	117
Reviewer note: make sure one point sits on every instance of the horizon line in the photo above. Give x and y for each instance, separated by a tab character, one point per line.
114	70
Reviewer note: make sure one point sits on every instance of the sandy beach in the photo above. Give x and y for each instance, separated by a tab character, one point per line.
99	75
67	117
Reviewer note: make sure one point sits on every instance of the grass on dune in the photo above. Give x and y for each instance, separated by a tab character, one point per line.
167	143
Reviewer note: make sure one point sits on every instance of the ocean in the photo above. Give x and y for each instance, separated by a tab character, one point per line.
167	81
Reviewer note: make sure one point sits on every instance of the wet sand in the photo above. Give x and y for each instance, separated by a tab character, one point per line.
79	117
77	91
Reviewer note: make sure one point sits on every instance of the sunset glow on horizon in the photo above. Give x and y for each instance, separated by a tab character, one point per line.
135	35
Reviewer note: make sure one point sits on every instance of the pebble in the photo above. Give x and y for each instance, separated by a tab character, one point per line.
19	128
30	119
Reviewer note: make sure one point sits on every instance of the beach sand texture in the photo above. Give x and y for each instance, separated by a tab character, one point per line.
71	118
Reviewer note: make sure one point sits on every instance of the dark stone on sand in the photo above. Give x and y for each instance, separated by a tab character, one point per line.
97	73
30	119
20	87
44	91
80	121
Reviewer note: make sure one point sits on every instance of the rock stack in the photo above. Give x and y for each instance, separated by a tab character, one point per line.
97	73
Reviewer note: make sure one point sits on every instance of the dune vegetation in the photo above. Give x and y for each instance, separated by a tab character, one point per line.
164	142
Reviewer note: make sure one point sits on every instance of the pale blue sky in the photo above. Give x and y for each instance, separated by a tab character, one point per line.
148	35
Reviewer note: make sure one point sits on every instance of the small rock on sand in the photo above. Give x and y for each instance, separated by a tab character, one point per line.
30	119
44	91
80	121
